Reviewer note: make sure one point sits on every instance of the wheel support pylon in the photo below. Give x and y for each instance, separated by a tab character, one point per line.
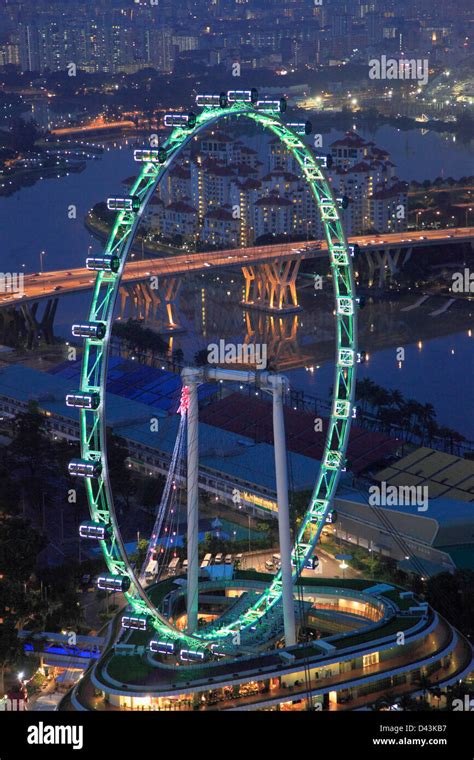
278	384
193	508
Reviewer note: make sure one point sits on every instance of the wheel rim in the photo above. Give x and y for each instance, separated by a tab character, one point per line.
96	355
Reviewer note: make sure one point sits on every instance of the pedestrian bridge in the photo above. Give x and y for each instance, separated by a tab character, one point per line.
57	649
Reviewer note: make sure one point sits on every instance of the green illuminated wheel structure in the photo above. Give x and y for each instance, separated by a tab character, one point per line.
91	396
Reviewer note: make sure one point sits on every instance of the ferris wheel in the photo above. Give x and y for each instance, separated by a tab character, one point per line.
90	398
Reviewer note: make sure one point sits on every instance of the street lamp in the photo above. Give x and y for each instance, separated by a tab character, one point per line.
42	253
344	559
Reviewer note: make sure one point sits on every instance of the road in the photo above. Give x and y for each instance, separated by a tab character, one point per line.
328	566
45	285
46	702
94	126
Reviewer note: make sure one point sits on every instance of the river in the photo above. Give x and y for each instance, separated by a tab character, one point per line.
36	219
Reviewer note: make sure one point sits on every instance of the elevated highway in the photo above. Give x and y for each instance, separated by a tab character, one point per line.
50	284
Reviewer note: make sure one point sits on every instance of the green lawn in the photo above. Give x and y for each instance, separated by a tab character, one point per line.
393	626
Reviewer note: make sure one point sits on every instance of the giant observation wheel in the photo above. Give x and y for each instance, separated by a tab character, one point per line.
91	397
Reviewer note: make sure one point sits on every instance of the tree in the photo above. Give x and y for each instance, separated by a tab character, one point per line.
10	649
31	443
396	398
200	357
20	544
299	501
364	392
139	338
452	595
120	473
138	557
9	492
450	438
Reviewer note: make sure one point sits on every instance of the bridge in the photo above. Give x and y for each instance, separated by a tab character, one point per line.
151	285
57	649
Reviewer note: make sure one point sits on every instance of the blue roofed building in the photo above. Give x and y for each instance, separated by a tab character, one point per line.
241	474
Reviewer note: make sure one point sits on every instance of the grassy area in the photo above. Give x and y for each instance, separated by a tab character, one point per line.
373	567
358	584
393	626
133	667
354	583
404	603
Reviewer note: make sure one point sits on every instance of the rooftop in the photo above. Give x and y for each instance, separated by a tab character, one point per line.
222	451
446	475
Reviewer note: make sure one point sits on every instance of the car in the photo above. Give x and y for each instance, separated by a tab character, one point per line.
58	287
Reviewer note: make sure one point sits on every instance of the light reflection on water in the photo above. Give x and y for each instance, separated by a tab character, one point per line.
433	375
36	218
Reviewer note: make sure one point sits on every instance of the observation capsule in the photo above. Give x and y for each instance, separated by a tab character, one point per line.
212	101
191	655
83	400
103	263
90	330
150	155
113	582
129	203
243	96
301	127
271	106
95	530
84	468
185	120
163	647
135	621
